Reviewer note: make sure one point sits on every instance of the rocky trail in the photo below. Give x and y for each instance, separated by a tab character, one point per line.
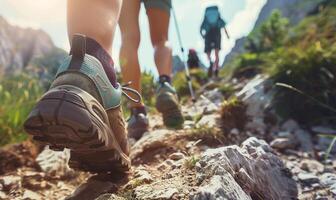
237	150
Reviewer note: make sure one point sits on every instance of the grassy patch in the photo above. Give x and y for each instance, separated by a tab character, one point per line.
18	94
233	115
208	135
190	162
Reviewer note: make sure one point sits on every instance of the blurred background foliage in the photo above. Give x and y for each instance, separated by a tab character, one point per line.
302	56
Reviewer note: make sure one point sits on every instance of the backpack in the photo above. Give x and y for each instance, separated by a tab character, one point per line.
212	19
212	16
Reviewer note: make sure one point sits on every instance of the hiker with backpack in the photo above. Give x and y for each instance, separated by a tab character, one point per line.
211	32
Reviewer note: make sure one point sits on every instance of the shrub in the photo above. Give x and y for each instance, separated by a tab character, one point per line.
233	115
198	76
311	71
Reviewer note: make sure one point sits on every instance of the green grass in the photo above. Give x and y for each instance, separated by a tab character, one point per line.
198	76
18	94
190	162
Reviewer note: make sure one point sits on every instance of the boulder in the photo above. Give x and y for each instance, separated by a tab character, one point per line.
151	140
254	168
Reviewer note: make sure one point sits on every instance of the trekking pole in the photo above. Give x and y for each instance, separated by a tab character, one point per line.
226	32
183	57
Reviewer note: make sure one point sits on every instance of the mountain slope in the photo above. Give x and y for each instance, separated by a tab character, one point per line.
294	10
20	47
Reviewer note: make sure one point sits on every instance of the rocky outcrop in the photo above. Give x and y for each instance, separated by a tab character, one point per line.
251	171
22	48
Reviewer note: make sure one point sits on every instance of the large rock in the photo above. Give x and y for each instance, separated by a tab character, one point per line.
255	168
258	98
151	140
221	187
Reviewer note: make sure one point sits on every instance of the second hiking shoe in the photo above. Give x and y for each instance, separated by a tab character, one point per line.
82	112
138	123
168	105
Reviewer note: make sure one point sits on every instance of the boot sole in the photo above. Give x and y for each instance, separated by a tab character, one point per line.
68	117
170	110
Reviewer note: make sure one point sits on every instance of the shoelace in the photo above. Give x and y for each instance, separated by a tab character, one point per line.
125	89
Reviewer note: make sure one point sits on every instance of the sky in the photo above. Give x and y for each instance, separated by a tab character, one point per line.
50	15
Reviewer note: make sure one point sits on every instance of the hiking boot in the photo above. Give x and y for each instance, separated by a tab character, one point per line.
167	104
82	112
138	123
216	73
210	70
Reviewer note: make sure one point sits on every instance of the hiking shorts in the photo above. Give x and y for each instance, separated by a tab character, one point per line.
212	41
161	4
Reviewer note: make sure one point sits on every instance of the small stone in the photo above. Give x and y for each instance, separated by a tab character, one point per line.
305	140
283	143
234	131
284	134
324	130
208	120
308	178
168	176
3	195
9	182
30	195
143	176
290	125
163	190
177	156
109	197
312	166
316	186
189	124
329	180
55	162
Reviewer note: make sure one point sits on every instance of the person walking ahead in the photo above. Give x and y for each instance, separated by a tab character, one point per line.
158	12
82	109
211	32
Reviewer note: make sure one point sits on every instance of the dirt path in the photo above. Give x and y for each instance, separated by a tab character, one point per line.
165	162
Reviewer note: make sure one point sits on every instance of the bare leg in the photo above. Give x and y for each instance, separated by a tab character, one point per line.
96	19
130	34
209	56
159	25
216	64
